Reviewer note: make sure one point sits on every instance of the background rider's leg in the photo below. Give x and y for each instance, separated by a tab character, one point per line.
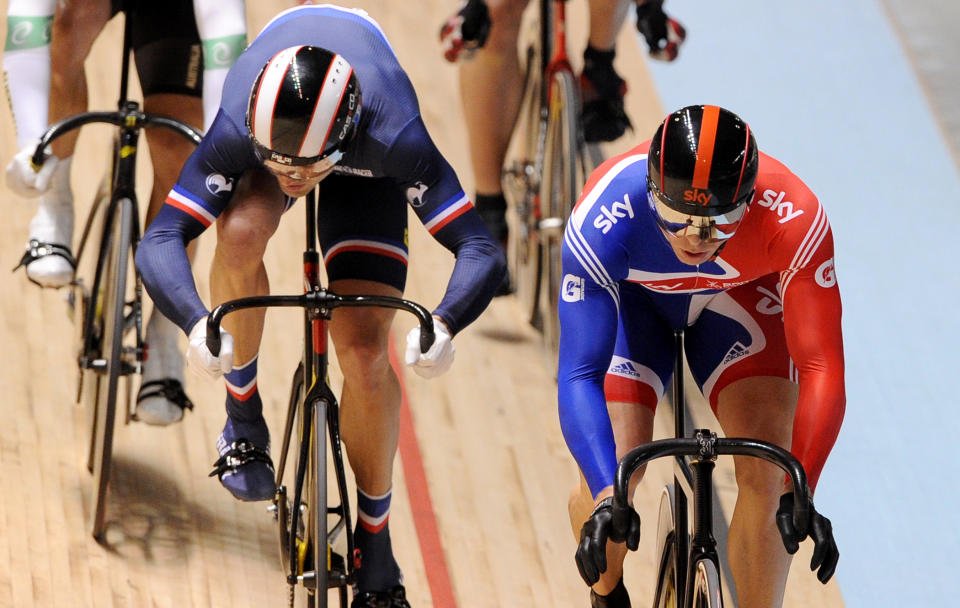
491	84
164	362
75	27
761	408
606	18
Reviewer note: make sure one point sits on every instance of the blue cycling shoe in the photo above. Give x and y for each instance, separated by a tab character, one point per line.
244	466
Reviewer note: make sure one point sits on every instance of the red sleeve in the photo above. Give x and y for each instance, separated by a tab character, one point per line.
811	317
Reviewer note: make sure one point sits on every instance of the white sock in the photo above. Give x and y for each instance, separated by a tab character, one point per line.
222	26
26	66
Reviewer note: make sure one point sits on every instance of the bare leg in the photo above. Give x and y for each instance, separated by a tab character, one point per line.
243	231
606	18
491	85
370	414
761	408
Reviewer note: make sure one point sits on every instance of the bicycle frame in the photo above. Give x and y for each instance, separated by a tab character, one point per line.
317	408
694	461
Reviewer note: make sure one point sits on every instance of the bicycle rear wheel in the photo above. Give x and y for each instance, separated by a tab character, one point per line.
119	261
559	189
521	184
706	585
666	595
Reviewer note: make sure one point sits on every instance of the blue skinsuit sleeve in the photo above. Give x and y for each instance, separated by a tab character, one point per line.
439	201
204	187
589	316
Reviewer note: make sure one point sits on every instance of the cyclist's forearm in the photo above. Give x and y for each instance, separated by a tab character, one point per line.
165	268
478	272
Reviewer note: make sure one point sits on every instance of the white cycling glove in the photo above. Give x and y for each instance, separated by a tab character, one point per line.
200	358
24	179
435	361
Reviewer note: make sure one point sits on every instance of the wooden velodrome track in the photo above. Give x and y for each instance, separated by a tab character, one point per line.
481	485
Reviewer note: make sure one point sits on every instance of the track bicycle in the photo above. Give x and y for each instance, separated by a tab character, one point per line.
545	169
107	302
308	525
688	572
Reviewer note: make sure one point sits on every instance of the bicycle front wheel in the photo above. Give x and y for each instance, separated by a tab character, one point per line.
667	575
706	585
562	181
119	260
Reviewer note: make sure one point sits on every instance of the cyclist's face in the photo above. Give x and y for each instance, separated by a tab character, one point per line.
298	181
691	249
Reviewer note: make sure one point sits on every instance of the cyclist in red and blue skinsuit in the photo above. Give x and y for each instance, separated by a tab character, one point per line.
326	79
761	313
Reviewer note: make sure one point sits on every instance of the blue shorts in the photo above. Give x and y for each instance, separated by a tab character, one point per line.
362	229
738	334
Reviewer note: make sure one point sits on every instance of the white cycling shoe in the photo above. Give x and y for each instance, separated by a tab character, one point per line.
161	400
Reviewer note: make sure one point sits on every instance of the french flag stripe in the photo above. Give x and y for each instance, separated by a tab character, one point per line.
325	112
267	93
193	207
449	214
367	246
242	393
373	524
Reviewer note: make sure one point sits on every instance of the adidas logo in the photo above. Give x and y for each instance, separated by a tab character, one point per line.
624	368
736	351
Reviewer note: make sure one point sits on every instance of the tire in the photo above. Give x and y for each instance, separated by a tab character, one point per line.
318	495
666	595
521	183
119	263
87	302
706	585
559	189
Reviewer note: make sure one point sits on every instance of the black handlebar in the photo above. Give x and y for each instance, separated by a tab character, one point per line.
129	116
640	455
322	301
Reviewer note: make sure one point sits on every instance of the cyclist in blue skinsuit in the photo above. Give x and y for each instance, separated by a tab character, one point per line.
320	96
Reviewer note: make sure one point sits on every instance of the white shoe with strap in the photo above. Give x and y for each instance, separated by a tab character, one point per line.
161	400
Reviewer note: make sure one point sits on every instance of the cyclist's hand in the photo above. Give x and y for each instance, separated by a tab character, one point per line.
825	553
435	361
466	30
26	179
663	34
199	357
596	531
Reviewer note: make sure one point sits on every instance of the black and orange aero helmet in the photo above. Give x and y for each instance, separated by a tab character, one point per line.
304	106
701	170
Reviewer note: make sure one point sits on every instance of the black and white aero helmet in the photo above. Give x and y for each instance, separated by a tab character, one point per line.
304	106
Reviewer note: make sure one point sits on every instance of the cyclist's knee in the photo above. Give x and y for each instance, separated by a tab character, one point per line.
366	362
759	480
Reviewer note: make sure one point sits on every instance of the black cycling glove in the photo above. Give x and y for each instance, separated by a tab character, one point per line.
596	531
825	553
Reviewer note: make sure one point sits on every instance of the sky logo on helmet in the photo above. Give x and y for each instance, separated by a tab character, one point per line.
218	184
695	195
